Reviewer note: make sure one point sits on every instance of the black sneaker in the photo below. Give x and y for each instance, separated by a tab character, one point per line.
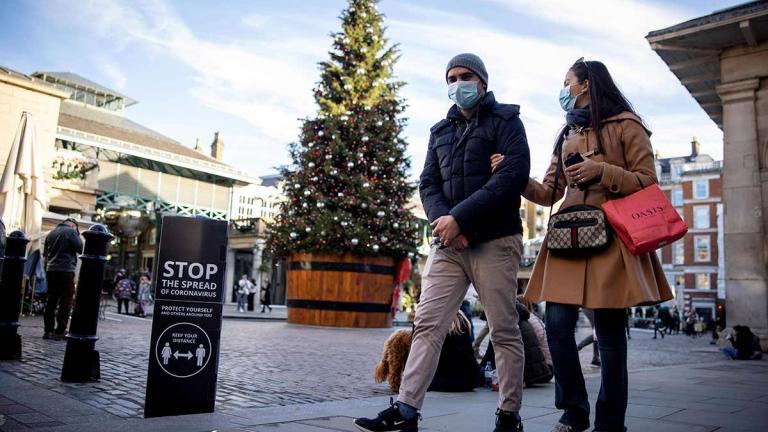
507	422
389	420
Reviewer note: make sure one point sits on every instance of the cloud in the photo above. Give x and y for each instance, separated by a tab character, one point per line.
113	72
265	82
264	72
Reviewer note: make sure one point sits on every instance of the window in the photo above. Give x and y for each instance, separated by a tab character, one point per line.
677	171
678	252
701	189
702	281
677	197
680	281
701	217
701	249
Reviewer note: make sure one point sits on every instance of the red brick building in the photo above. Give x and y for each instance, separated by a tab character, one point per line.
694	265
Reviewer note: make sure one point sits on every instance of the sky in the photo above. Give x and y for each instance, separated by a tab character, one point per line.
247	68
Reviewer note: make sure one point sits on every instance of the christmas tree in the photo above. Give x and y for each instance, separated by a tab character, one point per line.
347	188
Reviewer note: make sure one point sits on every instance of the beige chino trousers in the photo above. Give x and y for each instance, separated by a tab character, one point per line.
492	267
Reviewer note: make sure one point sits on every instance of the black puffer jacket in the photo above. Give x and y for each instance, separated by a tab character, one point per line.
61	248
536	370
457	176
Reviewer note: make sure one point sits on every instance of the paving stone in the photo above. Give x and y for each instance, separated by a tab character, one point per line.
30	418
333	423
11	425
15	409
748	421
649	411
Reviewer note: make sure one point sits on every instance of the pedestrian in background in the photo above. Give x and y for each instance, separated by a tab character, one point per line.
658	323
244	287
266	296
62	245
690	323
143	296
125	289
745	345
603	131
591	339
628	321
675	321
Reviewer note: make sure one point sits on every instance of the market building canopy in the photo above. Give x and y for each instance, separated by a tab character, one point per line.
692	49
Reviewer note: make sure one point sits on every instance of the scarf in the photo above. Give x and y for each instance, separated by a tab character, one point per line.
579	117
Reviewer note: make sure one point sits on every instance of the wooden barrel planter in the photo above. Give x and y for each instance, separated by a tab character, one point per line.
340	291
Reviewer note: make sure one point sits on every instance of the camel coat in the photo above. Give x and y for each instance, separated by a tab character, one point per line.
613	278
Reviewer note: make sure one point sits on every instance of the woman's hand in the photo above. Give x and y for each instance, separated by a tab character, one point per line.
584	171
496	160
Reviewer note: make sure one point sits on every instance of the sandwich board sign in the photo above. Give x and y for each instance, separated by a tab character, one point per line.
186	325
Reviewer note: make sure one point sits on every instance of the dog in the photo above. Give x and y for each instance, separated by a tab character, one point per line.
392	363
396	350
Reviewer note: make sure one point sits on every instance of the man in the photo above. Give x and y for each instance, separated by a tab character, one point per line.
60	251
476	224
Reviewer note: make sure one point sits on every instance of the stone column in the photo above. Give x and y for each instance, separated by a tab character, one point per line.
745	237
229	276
258	250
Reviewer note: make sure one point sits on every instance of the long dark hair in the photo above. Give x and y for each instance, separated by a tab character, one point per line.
605	98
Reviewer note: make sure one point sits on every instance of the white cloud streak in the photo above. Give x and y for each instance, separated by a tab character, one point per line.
524	69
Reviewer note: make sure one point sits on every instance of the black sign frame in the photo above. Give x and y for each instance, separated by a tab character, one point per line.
186	325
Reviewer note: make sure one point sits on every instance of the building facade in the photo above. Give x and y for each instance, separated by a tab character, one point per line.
694	264
100	166
722	60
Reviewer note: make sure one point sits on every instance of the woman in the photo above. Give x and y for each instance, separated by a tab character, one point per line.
602	126
144	296
266	296
540	329
457	369
124	291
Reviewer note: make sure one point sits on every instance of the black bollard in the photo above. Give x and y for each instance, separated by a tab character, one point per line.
11	294
81	360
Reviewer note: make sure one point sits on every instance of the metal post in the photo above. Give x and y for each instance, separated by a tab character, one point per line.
81	360
11	294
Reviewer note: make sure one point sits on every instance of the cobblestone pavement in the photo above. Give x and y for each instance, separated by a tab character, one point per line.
263	364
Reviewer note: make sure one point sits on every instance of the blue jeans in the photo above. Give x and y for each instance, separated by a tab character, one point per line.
731	353
570	391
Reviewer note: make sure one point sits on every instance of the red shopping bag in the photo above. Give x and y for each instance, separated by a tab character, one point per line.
645	220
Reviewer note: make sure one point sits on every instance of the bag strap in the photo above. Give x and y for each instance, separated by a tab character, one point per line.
559	150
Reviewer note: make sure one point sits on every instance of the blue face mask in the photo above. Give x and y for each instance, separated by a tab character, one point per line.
464	94
567	101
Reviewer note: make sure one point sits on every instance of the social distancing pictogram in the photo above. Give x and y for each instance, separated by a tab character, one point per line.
183	350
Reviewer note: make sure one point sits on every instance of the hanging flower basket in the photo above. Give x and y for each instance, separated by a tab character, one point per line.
73	168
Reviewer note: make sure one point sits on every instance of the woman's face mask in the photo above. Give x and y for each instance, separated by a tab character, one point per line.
567	100
464	94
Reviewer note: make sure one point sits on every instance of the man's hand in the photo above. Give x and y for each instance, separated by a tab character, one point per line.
445	228
459	243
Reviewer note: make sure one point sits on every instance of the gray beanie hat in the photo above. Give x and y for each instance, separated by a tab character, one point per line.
471	62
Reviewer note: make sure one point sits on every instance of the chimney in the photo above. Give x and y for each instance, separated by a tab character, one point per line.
695	146
217	147
198	146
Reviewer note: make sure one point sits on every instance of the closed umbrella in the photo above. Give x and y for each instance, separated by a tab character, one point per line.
22	187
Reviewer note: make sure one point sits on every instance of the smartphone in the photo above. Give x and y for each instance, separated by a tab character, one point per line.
574	158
